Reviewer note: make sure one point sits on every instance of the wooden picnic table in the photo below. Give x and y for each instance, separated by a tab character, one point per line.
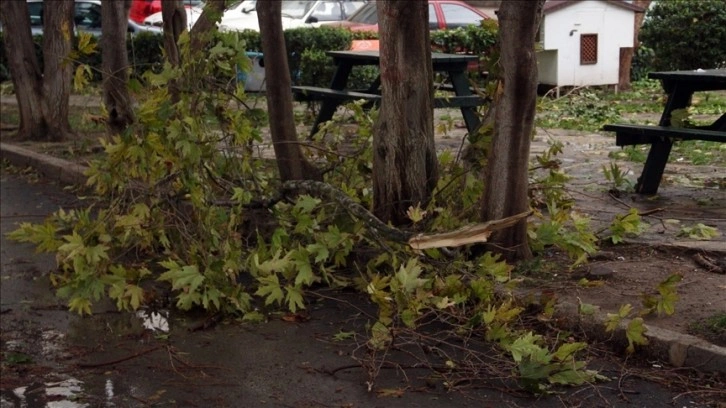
680	87
455	66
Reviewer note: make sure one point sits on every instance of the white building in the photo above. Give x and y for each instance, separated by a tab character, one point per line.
581	41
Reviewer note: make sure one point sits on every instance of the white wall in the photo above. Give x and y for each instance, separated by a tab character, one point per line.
562	30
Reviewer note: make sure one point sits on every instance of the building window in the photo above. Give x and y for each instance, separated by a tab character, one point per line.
588	49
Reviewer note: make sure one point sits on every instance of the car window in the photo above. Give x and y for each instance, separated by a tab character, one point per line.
296	9
36	14
88	15
350	7
433	20
456	15
365	15
327	11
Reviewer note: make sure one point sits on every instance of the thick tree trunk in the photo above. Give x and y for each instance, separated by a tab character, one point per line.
506	174
405	168
175	21
626	54
115	64
290	160
40	119
57	70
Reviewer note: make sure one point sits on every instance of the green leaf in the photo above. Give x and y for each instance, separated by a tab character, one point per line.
380	336
305	275
80	305
343	335
635	333
408	276
270	289
587	309
294	298
276	264
568	350
186	277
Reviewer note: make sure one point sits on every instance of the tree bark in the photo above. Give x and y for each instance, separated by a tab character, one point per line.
506	174
405	167
626	54
206	24
174	22
42	96
57	67
115	65
291	163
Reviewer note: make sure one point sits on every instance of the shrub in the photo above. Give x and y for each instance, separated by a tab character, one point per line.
701	45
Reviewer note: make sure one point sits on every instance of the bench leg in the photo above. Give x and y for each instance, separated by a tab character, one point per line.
654	166
461	88
327	110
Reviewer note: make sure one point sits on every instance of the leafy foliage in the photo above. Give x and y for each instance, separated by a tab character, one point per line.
701	46
629	224
699	231
184	198
665	301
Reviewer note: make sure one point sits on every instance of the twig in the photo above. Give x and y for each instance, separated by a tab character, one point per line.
120	360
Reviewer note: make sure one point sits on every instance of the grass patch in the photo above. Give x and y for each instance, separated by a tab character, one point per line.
591	108
713	327
697	152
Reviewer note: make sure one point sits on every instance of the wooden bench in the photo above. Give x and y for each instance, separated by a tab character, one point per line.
628	135
314	93
661	139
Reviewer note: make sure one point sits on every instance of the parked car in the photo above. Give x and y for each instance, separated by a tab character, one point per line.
141	9
87	18
443	14
308	13
193	13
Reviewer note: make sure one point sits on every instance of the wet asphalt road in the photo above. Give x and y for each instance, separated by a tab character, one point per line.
52	358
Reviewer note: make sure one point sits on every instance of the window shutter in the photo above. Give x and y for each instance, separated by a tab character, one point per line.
588	49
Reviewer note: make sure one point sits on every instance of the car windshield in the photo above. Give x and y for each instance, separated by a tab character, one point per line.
366	15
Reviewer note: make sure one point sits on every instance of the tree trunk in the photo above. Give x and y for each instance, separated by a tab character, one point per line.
206	24
57	67
115	64
290	160
174	22
41	119
405	168
506	173
626	54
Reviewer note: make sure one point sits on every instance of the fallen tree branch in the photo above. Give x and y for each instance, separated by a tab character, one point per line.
467	235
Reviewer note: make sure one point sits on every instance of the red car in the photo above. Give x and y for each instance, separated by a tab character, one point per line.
140	9
443	14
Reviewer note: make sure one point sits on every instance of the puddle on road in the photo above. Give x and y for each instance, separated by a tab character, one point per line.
60	394
51	345
156	321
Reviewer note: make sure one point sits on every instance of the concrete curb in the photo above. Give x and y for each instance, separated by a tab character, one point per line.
680	350
62	171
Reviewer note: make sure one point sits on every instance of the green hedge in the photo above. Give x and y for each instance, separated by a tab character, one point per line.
308	62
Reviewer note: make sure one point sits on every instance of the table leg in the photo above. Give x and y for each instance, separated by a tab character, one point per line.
329	106
327	110
649	179
460	81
